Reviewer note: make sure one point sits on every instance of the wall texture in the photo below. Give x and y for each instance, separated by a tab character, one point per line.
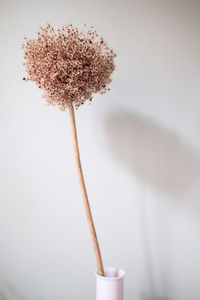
140	151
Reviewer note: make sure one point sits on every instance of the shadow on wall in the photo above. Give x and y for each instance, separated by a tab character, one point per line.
155	154
158	157
153	298
8	292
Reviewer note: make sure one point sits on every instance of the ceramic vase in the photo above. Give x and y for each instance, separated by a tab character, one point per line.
110	286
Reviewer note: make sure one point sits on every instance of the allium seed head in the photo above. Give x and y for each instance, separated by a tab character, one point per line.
69	65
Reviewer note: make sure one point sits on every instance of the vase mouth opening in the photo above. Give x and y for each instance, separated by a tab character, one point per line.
111	273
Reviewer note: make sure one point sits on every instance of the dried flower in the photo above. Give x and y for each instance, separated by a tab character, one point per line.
69	65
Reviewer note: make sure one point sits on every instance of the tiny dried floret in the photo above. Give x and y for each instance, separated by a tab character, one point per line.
69	65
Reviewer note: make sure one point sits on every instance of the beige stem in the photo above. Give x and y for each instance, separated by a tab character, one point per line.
84	193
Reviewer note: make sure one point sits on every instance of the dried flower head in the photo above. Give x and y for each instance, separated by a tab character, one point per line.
69	65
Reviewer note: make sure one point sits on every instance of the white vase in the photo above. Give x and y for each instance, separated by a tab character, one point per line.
110	286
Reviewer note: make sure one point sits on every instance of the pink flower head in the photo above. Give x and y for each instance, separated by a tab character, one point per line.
69	65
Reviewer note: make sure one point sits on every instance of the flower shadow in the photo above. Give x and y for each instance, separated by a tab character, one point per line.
8	291
156	155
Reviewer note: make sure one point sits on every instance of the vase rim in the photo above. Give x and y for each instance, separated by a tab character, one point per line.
110	270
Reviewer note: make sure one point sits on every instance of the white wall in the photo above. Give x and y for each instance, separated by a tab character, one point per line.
140	153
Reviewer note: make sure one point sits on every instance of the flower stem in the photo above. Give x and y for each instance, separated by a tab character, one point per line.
84	193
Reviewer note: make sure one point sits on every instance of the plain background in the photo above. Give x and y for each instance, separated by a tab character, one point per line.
140	150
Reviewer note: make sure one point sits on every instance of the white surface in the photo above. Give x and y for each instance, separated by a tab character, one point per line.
110	286
140	152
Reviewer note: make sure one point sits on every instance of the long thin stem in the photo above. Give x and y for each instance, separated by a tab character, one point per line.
84	193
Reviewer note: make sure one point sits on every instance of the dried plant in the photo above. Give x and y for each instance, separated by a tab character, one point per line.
69	65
